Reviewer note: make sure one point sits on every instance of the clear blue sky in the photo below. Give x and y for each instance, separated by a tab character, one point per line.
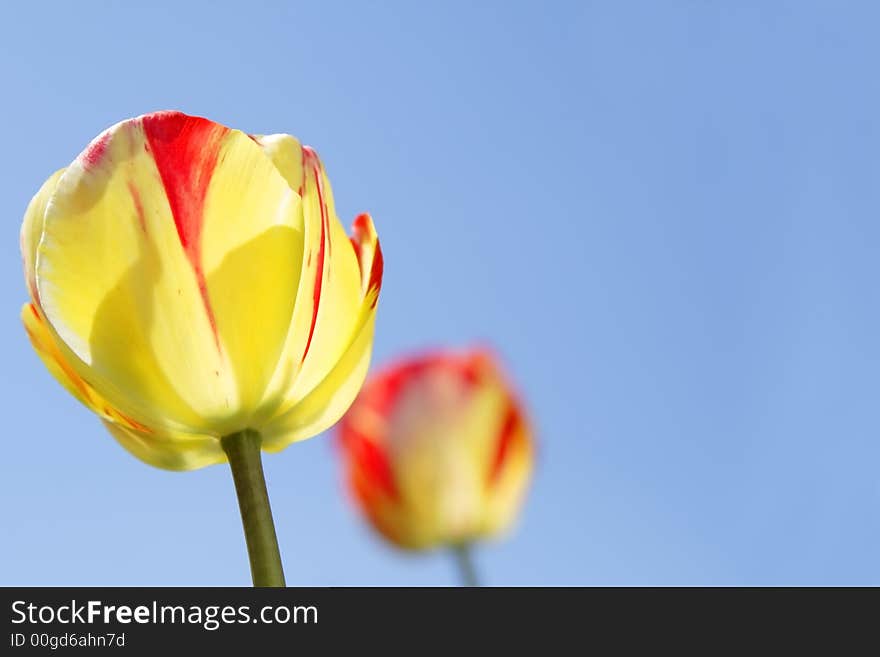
666	215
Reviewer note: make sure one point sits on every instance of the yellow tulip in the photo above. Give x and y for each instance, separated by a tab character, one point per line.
438	450
190	283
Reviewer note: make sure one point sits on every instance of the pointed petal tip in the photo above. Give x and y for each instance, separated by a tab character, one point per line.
366	245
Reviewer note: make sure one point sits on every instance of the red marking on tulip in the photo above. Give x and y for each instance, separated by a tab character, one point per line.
505	439
376	272
474	368
95	151
384	389
359	234
310	160
138	205
372	463
186	149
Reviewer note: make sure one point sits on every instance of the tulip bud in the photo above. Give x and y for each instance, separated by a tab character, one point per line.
438	450
189	281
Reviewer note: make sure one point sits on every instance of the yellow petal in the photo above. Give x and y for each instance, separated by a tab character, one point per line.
322	407
331	319
32	229
511	469
285	151
441	436
328	316
50	354
58	361
169	451
150	243
172	451
253	249
308	414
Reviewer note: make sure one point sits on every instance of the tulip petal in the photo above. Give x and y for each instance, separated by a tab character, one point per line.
336	292
149	234
509	472
32	229
254	245
324	403
285	151
169	451
253	292
48	351
440	441
327	402
172	451
328	315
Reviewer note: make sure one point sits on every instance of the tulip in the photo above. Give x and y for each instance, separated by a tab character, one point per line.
438	452
193	286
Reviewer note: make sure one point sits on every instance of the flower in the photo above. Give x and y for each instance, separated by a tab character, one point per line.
188	281
438	450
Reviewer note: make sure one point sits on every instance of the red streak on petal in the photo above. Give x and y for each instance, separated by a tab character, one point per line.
476	366
360	223
504	441
94	153
186	149
138	205
376	273
372	474
310	160
383	389
359	234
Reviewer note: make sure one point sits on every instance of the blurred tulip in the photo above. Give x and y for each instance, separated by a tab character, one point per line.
438	450
189	282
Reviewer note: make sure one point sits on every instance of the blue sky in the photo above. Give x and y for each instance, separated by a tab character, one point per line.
665	215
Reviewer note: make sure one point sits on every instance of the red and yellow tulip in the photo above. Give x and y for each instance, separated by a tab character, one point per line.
188	281
438	450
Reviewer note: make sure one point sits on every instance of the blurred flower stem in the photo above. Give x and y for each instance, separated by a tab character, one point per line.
464	559
243	451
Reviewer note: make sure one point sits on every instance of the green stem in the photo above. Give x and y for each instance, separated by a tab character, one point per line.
243	451
465	561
